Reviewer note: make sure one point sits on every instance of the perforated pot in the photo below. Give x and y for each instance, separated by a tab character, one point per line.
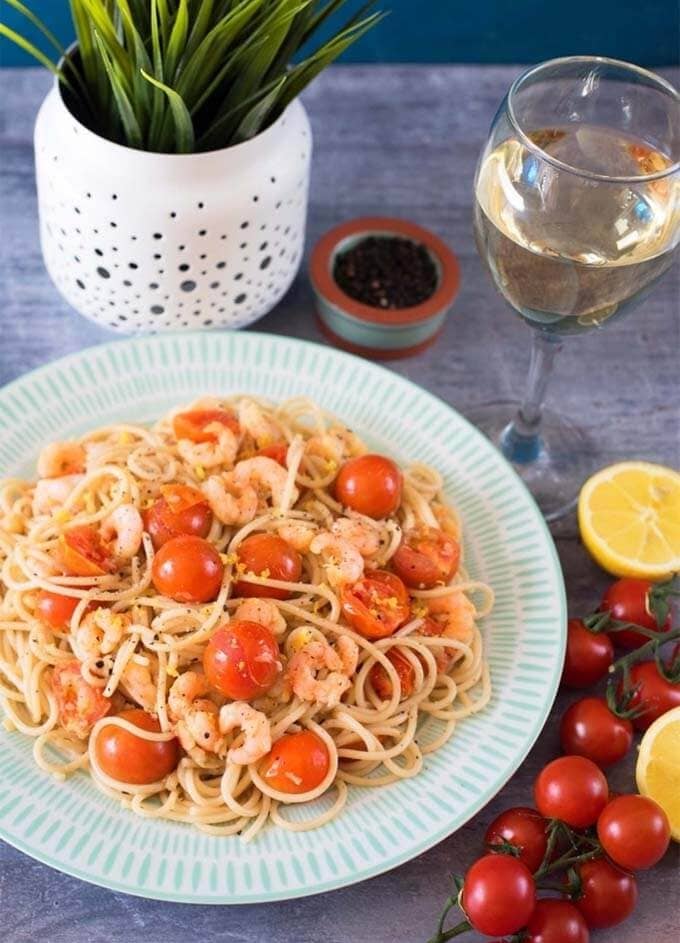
150	242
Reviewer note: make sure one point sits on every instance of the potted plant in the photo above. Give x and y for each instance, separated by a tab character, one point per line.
173	155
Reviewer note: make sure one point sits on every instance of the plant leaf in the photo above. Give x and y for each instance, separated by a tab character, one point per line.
126	114
177	43
38	23
31	49
257	115
183	125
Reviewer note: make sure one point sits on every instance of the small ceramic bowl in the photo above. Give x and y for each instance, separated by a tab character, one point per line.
382	333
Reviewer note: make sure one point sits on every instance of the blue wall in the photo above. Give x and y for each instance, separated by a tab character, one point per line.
514	31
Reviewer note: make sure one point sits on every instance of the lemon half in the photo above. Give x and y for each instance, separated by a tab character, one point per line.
658	766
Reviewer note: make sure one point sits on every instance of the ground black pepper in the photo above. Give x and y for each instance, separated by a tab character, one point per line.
386	272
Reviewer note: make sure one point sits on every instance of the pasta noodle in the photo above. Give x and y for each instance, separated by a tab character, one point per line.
86	634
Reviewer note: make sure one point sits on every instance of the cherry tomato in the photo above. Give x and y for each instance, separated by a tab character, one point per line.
278	451
131	759
626	600
370	484
499	894
608	894
426	557
56	610
376	605
590	729
83	552
297	763
80	705
188	569
268	555
381	681
588	656
525	829
655	694
194	424
180	510
242	660
571	788
634	831
556	921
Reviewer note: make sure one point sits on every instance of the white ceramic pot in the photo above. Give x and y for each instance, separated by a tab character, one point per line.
149	242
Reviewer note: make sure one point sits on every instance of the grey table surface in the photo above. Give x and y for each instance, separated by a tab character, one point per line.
403	141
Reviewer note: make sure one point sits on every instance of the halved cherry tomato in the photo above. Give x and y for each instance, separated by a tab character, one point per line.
56	610
381	680
242	660
524	828
193	424
297	763
278	451
370	484
425	557
627	601
556	921
377	605
84	553
589	728
653	693
80	705
131	759
608	893
634	831
188	569
270	556
499	895
588	656
571	788
180	510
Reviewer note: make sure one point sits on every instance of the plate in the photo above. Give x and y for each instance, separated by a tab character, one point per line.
75	828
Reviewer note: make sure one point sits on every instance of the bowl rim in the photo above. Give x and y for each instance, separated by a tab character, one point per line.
324	284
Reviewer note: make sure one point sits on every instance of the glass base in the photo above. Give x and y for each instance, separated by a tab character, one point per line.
553	465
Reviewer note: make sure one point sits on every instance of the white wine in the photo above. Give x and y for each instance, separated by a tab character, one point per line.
569	250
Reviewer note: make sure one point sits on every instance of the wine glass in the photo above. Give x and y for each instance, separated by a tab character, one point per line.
577	216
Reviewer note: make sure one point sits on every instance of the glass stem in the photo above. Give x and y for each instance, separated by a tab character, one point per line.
522	439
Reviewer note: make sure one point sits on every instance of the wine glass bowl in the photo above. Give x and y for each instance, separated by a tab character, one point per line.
577	217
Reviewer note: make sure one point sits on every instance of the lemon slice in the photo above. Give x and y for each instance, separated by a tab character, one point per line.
658	766
629	516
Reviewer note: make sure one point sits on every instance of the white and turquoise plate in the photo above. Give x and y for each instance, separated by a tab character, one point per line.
73	827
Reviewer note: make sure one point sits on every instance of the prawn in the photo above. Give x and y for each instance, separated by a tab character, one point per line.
99	633
336	444
257	736
52	493
266	477
364	536
61	458
343	562
230	502
123	528
79	704
299	534
253	420
139	685
262	611
340	662
196	718
455	614
221	451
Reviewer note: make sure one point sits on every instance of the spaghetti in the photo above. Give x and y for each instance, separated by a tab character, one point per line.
117	651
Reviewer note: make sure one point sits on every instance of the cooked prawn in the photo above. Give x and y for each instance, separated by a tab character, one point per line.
79	704
299	534
222	451
266	477
252	420
257	737
139	685
455	614
335	445
52	493
99	633
230	502
364	536
317	656
124	528
196	718
61	458
262	611
343	562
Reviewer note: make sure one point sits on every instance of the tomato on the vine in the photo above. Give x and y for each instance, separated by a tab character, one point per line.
634	831
573	789
653	694
556	921
589	728
524	828
608	893
499	894
588	656
627	600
